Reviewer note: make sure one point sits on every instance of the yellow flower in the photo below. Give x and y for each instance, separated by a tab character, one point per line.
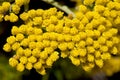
32	37
19	2
15	46
60	37
90	58
101	2
49	62
105	56
46	23
113	13
114	50
11	40
54	56
83	35
83	8
86	68
84	20
70	45
29	66
79	15
81	27
32	45
113	31
89	33
32	13
82	52
106	13
117	20
53	36
37	20
41	45
37	65
13	17
88	2
58	28
97	54
20	51
30	30
23	60
50	28
32	59
39	12
101	28
75	38
46	43
15	8
66	30
59	14
38	31
103	48
62	46
41	71
67	37
39	38
81	44
6	6
54	44
7	47
27	52
97	33
36	52
96	44
13	62
43	55
14	30
22	29
19	37
109	43
110	5
20	67
99	62
64	54
115	40
46	36
75	61
99	8
24	16
24	42
90	49
89	26
89	41
74	53
53	19
102	40
48	49
73	31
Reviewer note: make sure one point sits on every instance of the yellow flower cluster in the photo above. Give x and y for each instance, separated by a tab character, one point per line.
4	8
100	40
14	9
88	40
35	42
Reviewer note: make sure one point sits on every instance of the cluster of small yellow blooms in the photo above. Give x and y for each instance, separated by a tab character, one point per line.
112	66
13	8
35	42
98	38
88	40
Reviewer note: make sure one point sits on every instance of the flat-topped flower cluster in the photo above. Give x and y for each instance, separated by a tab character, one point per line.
87	40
